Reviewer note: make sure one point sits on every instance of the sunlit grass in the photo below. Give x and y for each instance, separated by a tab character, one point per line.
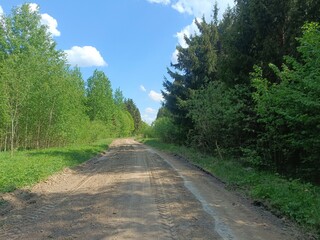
28	167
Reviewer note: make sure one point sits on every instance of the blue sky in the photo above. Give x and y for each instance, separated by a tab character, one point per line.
132	41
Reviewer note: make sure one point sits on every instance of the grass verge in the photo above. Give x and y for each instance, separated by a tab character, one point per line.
291	198
26	168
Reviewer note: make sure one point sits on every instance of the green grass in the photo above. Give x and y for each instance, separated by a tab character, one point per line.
291	198
26	168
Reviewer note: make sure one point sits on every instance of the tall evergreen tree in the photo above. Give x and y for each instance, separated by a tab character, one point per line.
196	67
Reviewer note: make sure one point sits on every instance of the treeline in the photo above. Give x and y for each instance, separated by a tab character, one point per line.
43	101
249	86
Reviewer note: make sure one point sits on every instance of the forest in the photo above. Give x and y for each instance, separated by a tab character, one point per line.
248	86
44	102
243	101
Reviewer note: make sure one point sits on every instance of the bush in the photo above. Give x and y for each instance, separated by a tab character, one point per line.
217	114
165	129
289	110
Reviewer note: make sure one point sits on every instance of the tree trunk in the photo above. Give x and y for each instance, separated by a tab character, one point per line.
12	136
5	141
218	149
49	125
26	136
38	137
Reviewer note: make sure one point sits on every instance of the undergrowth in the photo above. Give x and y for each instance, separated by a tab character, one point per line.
26	168
292	198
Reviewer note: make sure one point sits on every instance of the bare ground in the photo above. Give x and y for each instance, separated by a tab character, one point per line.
135	192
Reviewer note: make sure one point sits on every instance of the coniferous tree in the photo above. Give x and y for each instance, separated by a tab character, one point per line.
196	67
209	100
135	114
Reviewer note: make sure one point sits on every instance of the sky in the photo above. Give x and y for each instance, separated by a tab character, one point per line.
131	41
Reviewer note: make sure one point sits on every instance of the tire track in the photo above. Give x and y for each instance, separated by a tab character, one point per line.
7	232
182	214
163	205
131	192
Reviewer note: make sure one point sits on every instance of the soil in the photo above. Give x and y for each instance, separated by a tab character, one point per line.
135	192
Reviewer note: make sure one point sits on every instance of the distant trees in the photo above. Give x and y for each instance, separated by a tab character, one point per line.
44	102
99	98
135	114
222	92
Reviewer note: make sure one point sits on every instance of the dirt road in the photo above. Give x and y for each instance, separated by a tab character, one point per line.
134	192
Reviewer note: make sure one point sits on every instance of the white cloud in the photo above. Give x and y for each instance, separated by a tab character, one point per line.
179	7
51	23
86	56
174	57
149	115
197	8
200	8
33	7
189	30
142	88
157	97
1	11
164	2
46	20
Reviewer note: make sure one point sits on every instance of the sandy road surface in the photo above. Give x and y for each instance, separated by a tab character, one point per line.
134	192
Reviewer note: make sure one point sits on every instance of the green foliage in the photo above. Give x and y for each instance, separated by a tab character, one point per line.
272	122
163	112
110	110
290	109
45	103
93	131
29	167
217	114
166	130
126	127
298	201
99	96
135	114
259	32
196	67
146	131
119	100
42	100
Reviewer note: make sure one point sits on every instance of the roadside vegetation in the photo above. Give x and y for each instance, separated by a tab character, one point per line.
28	167
250	84
44	102
246	89
292	199
50	117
